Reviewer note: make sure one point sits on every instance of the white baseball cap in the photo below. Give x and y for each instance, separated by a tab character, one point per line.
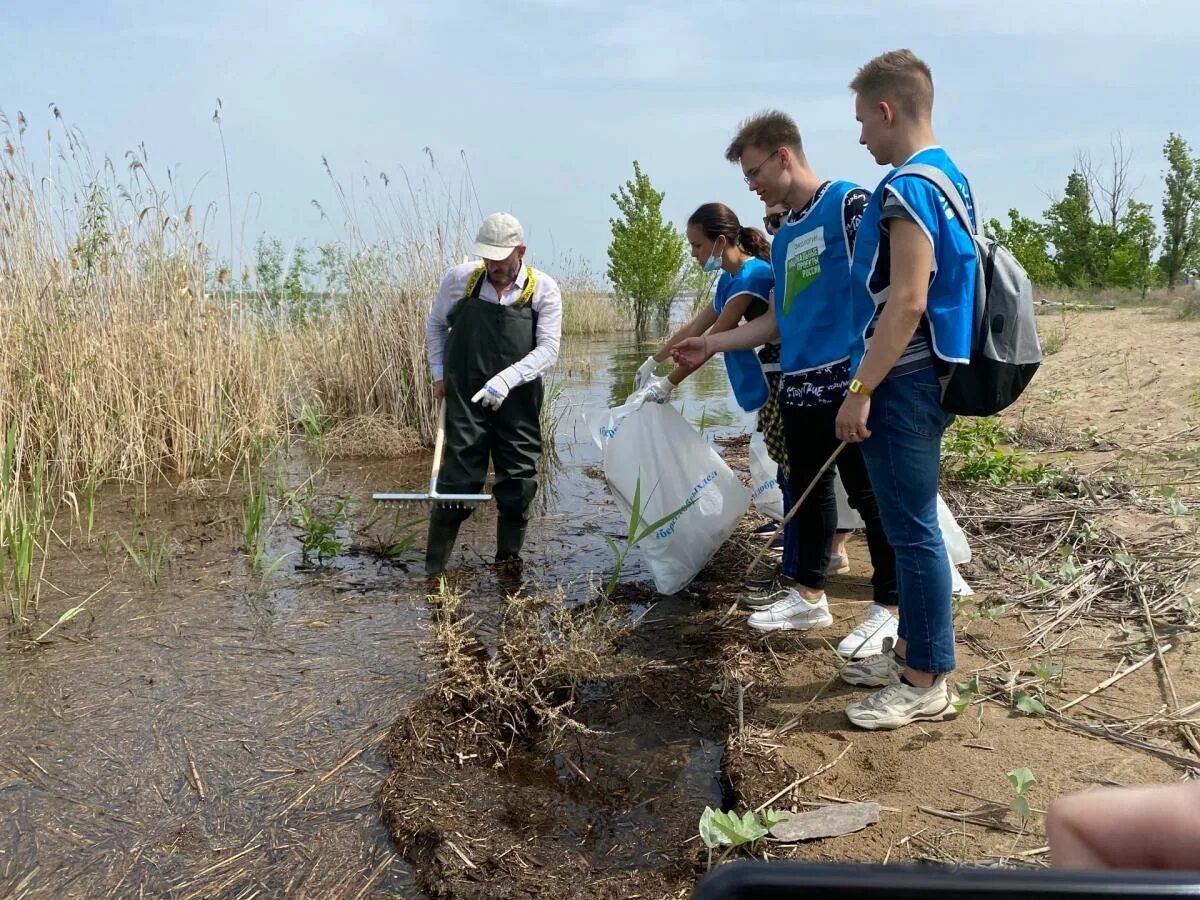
498	236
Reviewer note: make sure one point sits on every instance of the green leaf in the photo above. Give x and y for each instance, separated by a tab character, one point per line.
1178	507
650	529
635	510
968	687
1037	581
773	817
752	828
1047	669
1021	779
1068	571
612	545
709	833
1029	705
743	830
1122	559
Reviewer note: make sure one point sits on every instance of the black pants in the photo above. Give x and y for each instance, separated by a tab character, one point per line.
810	436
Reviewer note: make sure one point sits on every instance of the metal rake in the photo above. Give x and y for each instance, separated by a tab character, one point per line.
433	498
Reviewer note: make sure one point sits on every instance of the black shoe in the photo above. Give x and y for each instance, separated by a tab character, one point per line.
439	545
509	569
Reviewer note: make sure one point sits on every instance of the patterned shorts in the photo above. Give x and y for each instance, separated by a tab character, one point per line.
770	423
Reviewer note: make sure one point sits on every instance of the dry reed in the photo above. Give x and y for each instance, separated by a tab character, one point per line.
129	354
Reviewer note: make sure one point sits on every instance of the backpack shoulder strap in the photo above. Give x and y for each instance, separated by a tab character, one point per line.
942	181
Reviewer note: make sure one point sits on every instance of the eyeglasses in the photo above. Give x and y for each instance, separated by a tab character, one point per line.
751	174
772	222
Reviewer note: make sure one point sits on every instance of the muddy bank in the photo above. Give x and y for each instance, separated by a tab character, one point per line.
526	806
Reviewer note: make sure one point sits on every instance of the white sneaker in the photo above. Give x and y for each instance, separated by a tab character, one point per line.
793	612
874	671
867	638
901	704
839	564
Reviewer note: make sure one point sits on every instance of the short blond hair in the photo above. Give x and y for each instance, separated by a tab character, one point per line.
899	76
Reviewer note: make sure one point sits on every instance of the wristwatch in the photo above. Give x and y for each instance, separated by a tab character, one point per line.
857	387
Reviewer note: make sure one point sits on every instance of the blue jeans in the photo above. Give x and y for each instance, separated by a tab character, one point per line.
903	458
789	565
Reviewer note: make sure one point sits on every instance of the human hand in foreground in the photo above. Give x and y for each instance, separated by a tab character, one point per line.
691	352
1127	828
851	425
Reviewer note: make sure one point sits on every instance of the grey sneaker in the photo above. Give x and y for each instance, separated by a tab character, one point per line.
879	670
763	599
902	704
838	565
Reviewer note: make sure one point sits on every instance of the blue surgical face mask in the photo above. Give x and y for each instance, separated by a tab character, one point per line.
714	261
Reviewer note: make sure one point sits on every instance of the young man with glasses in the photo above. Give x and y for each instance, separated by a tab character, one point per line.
811	320
839	559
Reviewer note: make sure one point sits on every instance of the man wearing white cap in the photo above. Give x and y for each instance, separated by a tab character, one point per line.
492	333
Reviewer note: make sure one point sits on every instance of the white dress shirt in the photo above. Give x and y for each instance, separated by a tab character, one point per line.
546	302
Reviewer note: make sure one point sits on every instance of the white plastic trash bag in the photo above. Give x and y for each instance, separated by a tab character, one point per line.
654	446
957	548
952	534
764	484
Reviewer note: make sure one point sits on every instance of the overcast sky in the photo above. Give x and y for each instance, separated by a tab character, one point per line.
549	101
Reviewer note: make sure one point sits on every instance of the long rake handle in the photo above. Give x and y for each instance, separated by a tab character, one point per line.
796	507
439	444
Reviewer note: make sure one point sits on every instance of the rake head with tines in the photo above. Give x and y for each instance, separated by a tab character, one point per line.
433	498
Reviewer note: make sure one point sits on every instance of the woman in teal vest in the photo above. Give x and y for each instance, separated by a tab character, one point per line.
742	256
719	243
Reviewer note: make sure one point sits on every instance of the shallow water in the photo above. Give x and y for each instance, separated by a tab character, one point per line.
213	735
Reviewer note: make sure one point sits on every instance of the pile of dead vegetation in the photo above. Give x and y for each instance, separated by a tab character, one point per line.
510	681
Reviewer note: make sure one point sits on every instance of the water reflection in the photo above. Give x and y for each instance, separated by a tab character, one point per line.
704	398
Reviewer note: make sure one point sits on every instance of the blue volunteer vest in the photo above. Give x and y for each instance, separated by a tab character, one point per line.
743	367
811	259
950	303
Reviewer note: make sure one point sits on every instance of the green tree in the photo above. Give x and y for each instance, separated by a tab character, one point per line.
1028	242
646	257
1131	263
331	265
1080	244
293	281
1180	208
268	270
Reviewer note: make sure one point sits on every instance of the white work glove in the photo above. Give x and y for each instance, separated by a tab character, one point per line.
658	390
492	394
644	373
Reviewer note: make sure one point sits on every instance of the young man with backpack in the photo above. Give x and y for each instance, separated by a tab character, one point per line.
914	273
